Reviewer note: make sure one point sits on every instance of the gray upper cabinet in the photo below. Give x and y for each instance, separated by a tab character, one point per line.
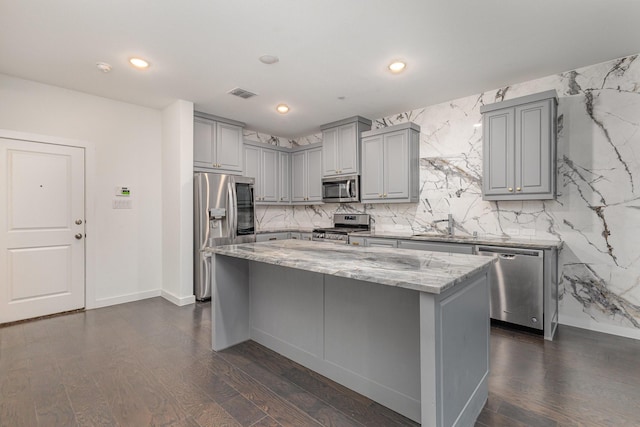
306	175
284	178
519	148
341	146
390	164
261	163
217	144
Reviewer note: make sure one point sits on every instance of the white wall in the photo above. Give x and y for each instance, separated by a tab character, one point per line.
125	262
177	205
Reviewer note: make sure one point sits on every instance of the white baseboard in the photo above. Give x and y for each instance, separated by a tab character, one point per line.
592	325
179	301
137	296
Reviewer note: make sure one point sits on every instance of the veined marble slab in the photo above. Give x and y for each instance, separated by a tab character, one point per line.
424	271
596	213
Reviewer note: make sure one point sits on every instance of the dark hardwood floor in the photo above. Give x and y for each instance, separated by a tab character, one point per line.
149	363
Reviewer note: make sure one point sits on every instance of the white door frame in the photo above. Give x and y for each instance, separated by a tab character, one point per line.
89	188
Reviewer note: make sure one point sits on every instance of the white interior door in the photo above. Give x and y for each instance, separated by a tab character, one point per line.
41	229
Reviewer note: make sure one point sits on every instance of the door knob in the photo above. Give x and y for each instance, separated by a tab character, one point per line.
79	236
510	189
78	221
518	188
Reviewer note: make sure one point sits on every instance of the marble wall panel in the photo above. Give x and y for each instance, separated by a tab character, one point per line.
597	211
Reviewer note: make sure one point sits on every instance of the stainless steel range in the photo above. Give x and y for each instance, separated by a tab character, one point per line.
343	224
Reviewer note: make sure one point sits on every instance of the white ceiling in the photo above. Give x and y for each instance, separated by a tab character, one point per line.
200	49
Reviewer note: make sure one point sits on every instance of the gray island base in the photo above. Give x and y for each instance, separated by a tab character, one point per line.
408	329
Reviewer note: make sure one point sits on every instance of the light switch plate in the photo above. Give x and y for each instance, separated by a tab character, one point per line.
122	204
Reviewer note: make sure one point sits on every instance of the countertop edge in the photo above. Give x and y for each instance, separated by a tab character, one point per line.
516	243
357	274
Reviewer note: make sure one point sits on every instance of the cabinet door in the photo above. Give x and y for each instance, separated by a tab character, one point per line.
533	148
298	177
314	175
381	243
284	181
269	175
252	168
347	149
396	165
329	152
455	248
357	241
228	147
266	237
498	152
203	134
372	184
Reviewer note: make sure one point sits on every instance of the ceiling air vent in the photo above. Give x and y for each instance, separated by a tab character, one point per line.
244	94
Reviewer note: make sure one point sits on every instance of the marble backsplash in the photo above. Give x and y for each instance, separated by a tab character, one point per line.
596	213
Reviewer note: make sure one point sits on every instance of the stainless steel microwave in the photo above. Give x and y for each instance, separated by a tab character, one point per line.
341	189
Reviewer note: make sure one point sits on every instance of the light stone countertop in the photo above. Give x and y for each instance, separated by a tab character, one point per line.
480	240
424	271
286	230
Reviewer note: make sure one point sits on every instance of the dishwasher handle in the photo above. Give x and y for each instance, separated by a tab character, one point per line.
509	252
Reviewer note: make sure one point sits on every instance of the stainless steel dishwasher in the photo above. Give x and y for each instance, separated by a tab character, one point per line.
516	285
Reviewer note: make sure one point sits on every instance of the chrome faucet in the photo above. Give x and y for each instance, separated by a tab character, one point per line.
450	225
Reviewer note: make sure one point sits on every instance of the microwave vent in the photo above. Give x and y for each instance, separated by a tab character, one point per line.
242	93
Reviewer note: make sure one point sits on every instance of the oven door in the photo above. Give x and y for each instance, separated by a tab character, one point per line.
340	190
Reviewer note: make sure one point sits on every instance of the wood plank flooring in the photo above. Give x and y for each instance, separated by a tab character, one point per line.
149	363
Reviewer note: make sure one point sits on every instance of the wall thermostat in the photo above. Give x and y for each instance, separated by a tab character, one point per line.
123	191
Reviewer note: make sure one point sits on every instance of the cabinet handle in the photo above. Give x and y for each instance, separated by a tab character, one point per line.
384	195
379	195
510	189
273	238
518	189
355	243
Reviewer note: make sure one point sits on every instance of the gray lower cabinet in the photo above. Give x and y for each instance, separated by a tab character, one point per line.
381	243
341	146
357	241
373	242
390	164
306	175
300	236
456	248
519	148
265	237
217	144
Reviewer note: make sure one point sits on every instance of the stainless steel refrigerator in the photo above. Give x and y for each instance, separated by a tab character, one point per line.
224	214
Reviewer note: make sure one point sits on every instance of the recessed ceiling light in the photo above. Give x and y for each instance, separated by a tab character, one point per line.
397	67
282	108
269	59
103	66
139	63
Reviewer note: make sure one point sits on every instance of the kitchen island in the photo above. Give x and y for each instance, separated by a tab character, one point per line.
408	329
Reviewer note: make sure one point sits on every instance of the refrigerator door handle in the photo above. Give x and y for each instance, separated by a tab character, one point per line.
233	212
204	219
